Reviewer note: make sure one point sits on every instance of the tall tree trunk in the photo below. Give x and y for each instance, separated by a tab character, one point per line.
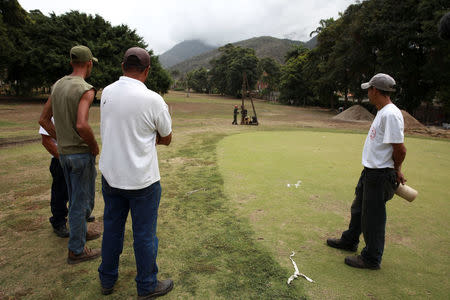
346	98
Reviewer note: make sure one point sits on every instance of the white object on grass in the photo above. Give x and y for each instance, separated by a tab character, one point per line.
194	191
295	184
297	272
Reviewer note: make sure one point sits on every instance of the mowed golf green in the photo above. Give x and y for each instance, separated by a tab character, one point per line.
257	168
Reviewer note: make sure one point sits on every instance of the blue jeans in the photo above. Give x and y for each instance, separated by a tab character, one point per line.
79	171
368	212
144	205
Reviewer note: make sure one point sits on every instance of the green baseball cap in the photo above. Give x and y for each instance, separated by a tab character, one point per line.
81	54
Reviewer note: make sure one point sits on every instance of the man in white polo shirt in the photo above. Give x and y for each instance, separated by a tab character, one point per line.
382	158
134	120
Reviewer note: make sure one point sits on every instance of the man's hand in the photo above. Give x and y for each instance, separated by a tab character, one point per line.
95	151
400	177
163	140
398	156
50	144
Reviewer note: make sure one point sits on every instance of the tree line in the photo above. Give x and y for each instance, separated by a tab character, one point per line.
226	74
399	38
34	48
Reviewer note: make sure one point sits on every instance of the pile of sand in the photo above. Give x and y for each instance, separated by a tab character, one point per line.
355	113
410	121
359	113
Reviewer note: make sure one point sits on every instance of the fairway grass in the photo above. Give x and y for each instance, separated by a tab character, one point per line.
204	247
257	168
227	222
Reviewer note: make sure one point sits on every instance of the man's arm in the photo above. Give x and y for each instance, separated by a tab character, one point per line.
46	118
83	128
398	156
50	144
163	140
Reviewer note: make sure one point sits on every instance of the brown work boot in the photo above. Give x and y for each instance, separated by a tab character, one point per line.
340	244
92	234
358	262
87	254
162	288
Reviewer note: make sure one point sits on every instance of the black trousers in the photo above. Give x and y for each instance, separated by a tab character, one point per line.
59	196
234	120
368	212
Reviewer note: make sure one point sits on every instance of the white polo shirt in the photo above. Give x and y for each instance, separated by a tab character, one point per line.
386	129
131	115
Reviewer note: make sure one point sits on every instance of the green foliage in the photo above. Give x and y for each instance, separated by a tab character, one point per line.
264	46
395	37
6	48
295	51
39	53
323	24
14	22
270	72
227	71
158	79
293	84
198	80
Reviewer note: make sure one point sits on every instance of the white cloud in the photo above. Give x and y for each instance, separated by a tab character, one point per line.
163	24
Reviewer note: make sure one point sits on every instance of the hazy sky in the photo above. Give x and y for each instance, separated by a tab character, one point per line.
164	23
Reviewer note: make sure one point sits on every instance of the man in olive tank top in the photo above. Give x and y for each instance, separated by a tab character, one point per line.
69	103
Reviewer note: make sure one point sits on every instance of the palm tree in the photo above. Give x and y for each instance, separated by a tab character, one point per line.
324	23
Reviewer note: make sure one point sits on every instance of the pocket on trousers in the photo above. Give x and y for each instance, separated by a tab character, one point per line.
359	185
390	185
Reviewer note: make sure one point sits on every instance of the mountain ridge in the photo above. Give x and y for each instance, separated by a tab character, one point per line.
182	51
264	46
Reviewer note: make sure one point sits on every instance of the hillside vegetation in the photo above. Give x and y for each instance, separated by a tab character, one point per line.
183	51
264	46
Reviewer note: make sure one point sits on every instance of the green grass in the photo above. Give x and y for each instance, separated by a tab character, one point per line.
204	246
7	124
257	168
218	256
232	238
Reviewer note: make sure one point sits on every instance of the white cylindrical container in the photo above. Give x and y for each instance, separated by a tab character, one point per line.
406	192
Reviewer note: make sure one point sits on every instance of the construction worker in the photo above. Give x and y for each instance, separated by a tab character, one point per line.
243	114
235	113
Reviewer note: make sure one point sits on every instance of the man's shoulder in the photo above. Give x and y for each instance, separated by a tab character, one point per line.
390	110
154	95
393	108
76	82
147	95
110	86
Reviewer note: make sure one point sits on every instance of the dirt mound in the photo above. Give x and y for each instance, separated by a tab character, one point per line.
410	121
355	113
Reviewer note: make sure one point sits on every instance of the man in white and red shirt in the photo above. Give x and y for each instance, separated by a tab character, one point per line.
382	158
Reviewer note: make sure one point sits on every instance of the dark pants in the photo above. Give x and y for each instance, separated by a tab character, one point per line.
234	120
144	204
368	212
59	197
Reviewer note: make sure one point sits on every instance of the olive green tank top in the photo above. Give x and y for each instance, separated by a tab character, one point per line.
66	94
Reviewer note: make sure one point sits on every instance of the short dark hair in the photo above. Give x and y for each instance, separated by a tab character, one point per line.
79	64
384	93
133	64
